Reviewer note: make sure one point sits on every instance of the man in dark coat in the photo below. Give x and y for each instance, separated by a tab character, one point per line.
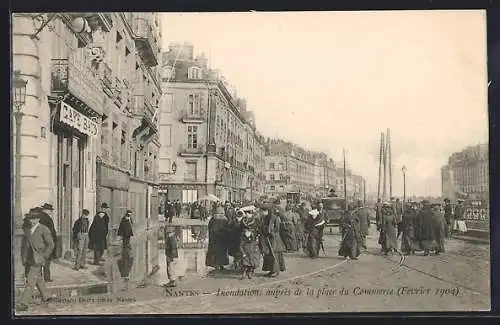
425	228
388	238
448	217
438	228
351	236
171	253
378	213
81	239
46	219
169	211
364	222
178	208
273	246
217	252
409	243
98	233
398	214
36	247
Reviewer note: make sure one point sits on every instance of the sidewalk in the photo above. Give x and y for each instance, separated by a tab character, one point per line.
68	282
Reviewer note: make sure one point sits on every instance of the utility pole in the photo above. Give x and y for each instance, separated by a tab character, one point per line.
380	158
389	161
345	181
384	161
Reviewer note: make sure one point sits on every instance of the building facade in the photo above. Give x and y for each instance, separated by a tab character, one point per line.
204	133
325	174
88	133
467	173
288	168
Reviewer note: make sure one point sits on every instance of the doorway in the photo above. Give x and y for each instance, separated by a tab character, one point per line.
70	168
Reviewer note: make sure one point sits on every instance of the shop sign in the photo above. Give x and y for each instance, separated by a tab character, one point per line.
71	117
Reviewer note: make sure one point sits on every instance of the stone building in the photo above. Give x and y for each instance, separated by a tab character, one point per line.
325	175
288	168
88	132
207	144
467	173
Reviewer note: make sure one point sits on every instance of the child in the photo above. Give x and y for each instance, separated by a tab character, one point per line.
170	253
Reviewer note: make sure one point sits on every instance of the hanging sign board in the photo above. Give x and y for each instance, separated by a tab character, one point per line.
71	117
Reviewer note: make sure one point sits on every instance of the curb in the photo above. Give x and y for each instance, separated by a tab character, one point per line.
472	240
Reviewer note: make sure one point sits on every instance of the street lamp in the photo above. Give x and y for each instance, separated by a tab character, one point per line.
404	183
19	86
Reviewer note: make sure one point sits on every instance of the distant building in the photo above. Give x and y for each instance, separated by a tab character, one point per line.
205	132
467	174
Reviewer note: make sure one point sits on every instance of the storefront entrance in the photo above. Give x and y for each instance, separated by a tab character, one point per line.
70	169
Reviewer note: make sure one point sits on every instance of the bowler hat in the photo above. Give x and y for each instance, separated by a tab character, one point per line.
104	205
47	206
31	216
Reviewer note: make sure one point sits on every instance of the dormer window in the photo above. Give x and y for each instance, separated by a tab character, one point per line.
194	73
168	73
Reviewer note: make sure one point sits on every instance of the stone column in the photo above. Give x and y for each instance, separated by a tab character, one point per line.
26	59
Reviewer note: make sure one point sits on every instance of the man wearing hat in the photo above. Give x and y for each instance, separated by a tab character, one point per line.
36	247
448	216
98	233
46	211
81	239
171	253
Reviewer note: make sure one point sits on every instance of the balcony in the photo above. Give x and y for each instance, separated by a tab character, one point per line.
68	77
145	41
102	20
107	79
187	116
141	106
186	151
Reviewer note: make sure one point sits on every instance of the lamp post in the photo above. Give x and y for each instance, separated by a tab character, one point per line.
173	170
404	183
19	86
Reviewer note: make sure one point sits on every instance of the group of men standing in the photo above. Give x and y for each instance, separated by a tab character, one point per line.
422	226
39	247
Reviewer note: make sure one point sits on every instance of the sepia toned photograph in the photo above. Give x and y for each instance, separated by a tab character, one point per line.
250	162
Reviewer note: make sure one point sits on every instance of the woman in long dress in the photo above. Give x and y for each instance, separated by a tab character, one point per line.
389	238
217	255
272	244
249	246
352	240
314	227
288	230
409	242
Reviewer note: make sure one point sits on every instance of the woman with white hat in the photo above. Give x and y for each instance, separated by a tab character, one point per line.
314	227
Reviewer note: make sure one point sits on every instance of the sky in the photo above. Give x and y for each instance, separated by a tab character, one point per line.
333	80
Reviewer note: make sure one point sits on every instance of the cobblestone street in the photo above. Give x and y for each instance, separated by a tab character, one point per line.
456	280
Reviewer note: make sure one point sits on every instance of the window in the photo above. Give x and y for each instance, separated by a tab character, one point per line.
273	188
194	104
168	73
194	73
192	137
271	166
189	196
271	177
190	174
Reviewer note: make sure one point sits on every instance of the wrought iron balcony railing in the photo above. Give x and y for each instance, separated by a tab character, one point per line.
145	41
185	150
68	76
188	116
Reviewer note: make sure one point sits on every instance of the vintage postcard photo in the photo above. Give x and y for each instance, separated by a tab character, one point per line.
257	162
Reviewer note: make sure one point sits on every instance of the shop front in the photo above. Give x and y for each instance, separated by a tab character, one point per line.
74	132
112	188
